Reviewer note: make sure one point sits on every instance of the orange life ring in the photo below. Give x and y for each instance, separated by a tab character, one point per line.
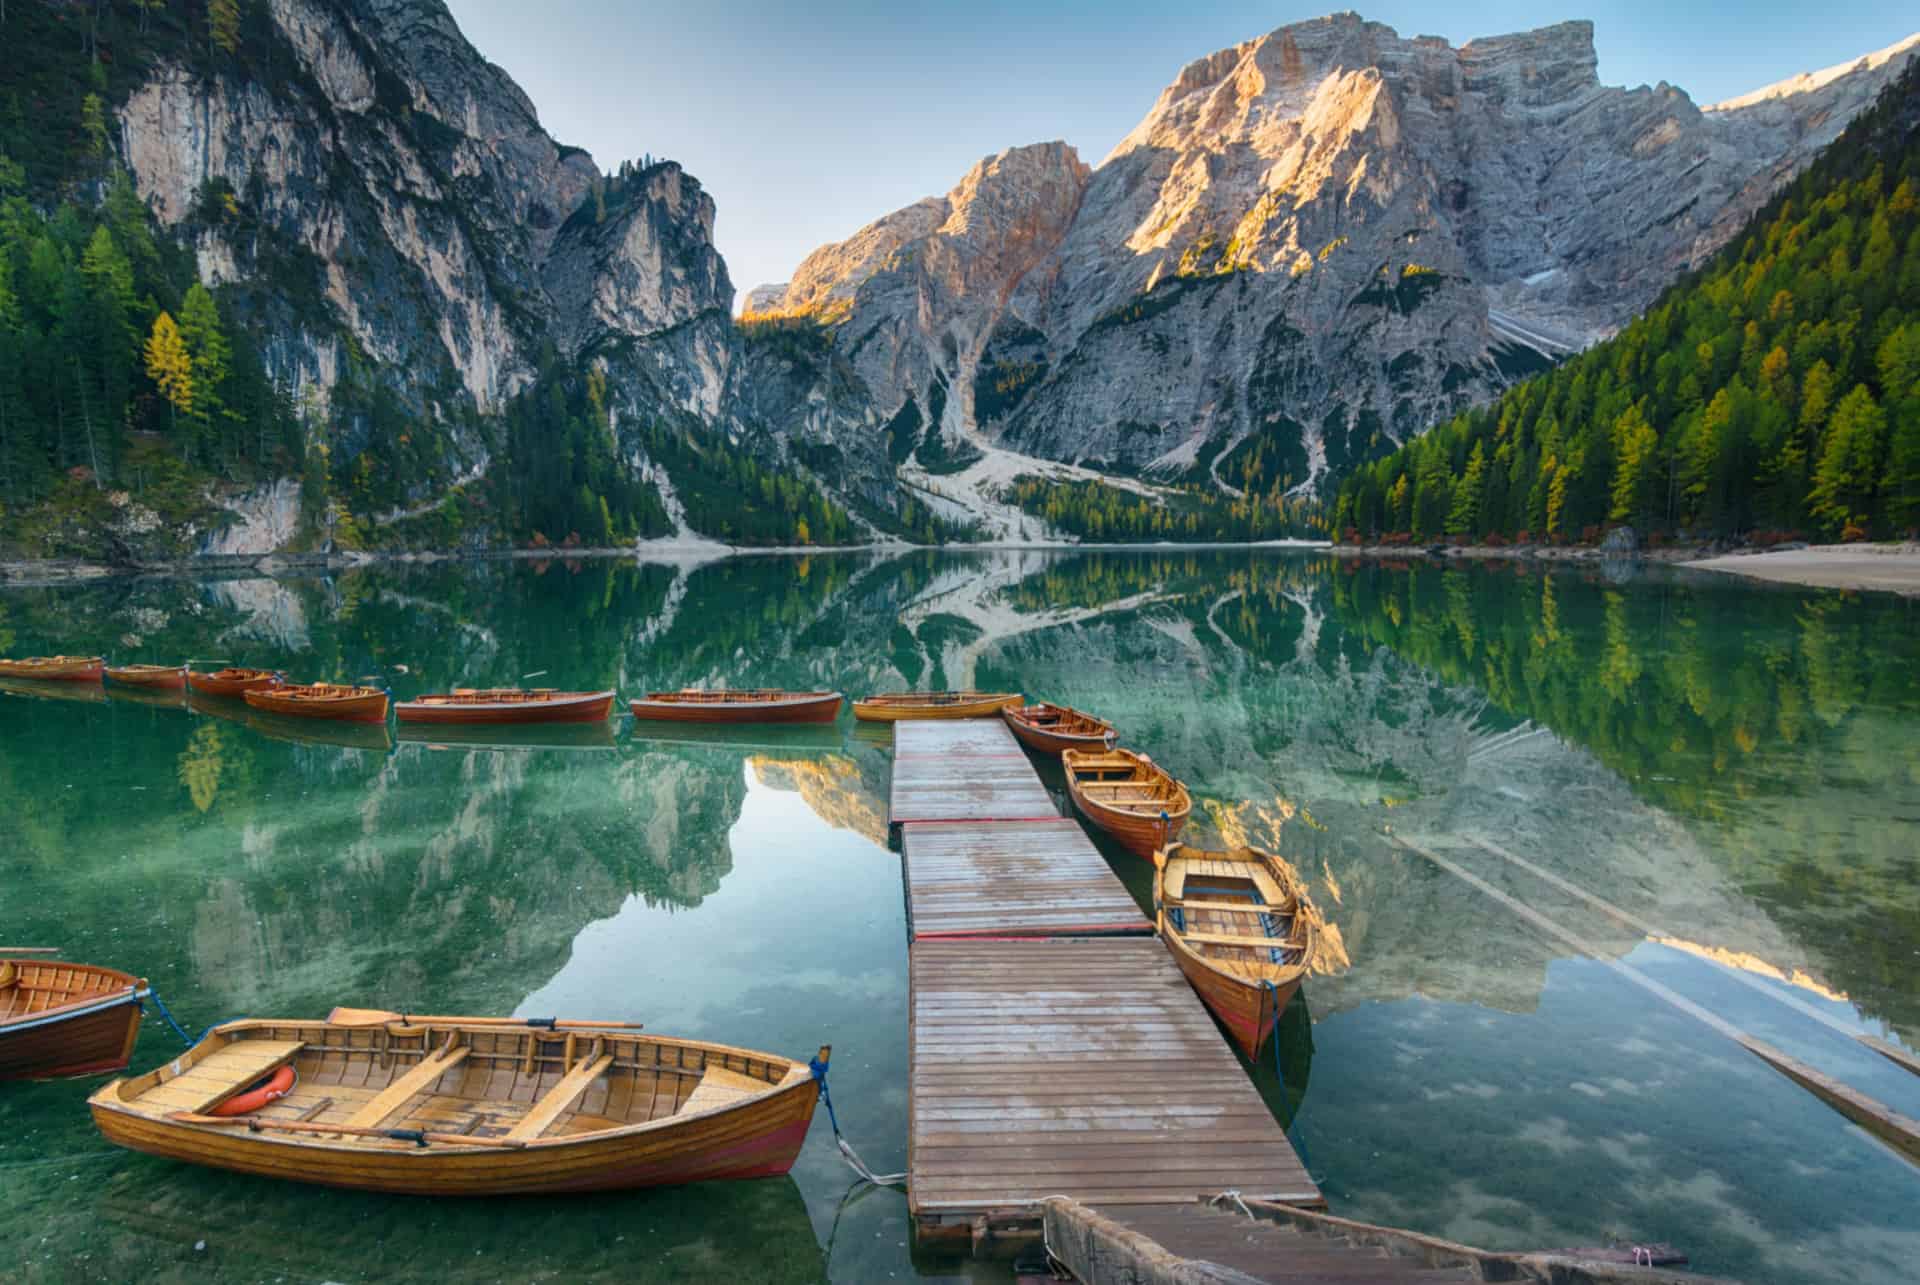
275	1086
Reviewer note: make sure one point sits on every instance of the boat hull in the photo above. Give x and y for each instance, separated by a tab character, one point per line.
795	707
758	1142
882	711
173	679
231	688
568	707
1248	1012
90	1034
1045	740
63	669
469	1106
371	708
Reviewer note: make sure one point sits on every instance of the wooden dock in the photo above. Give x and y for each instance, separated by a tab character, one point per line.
964	770
1012	879
1055	1047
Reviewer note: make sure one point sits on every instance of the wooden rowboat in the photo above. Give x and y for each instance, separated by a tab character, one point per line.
1128	795
1048	729
65	1019
1242	928
463	1106
752	705
162	676
506	705
233	683
340	701
894	707
70	669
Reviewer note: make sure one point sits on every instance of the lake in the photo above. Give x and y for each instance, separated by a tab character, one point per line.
1712	782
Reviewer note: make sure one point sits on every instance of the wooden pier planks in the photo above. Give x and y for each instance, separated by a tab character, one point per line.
1012	879
963	770
1078	1067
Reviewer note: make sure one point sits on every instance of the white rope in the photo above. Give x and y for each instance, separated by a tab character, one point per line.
859	1166
1234	1196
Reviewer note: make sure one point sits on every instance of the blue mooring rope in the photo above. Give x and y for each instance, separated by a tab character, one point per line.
859	1166
1280	1074
153	994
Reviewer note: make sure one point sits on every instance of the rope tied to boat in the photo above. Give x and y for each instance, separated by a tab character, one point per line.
153	993
1280	1074
852	1157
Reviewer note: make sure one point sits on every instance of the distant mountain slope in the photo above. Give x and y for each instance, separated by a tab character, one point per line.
1777	388
474	329
1316	244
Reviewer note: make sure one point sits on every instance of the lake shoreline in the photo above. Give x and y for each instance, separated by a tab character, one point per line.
23	573
1878	568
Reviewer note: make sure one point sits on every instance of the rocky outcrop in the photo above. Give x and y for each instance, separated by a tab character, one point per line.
1315	244
917	294
379	189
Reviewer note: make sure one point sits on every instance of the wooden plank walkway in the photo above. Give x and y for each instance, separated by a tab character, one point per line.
1012	879
1079	1067
963	770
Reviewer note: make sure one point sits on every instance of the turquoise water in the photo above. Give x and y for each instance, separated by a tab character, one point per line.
1734	770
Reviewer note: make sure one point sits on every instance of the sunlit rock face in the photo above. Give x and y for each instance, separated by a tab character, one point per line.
1328	238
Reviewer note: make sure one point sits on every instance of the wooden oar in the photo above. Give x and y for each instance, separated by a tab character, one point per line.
29	950
381	1017
419	1136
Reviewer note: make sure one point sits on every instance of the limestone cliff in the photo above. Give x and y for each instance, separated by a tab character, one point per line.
1318	242
382	200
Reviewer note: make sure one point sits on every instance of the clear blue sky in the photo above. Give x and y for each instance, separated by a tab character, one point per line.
807	119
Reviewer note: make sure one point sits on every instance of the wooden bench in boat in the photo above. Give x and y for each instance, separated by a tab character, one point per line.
1228	939
403	1090
547	1111
718	1087
222	1074
1237	907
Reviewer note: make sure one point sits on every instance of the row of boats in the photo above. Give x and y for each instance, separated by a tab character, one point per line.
451	1105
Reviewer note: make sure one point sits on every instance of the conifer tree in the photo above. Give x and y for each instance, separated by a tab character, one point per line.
223	25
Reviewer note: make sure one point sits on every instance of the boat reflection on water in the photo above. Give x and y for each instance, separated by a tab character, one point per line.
151	697
791	739
154	1212
537	736
298	731
55	690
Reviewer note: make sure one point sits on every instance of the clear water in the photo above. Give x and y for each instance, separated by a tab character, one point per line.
1729	768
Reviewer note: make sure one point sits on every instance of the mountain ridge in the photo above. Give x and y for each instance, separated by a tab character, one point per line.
1427	224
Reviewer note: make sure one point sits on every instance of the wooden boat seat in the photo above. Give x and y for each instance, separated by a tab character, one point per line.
548	1110
718	1087
1176	881
397	1094
223	1073
1230	939
1236	907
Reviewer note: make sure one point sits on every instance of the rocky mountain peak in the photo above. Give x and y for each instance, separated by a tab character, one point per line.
1320	241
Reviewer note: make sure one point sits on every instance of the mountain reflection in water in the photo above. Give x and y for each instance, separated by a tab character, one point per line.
1739	766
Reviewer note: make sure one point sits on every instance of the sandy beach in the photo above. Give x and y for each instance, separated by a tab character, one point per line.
1891	568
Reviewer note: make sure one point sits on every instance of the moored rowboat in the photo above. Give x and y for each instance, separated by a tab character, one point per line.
72	669
506	705
1048	729
322	700
65	1019
233	683
163	676
893	707
1241	927
459	1106
1128	795
751	705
